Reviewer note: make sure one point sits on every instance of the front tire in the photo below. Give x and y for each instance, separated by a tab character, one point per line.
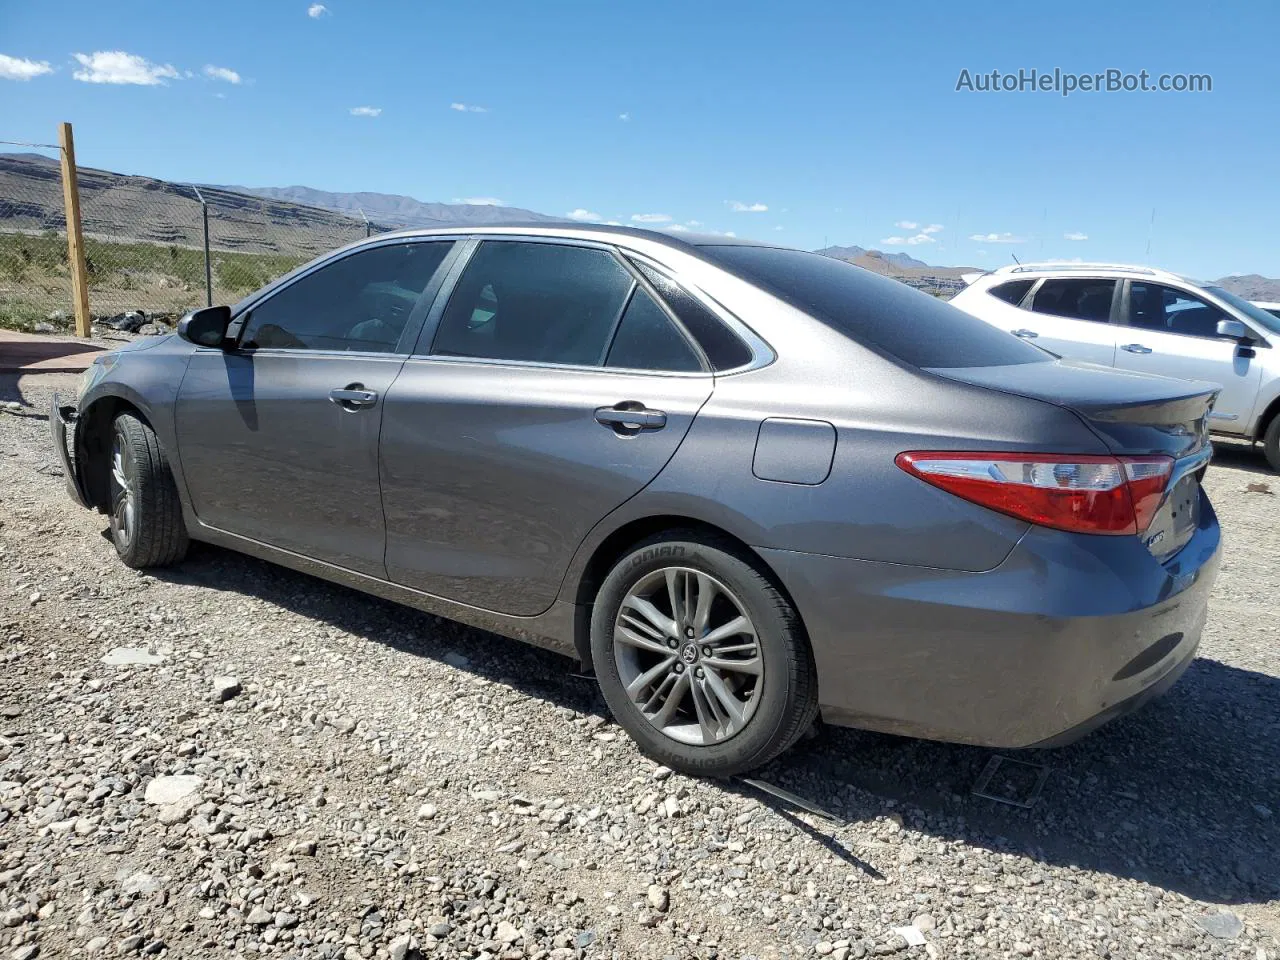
145	513
1271	443
700	657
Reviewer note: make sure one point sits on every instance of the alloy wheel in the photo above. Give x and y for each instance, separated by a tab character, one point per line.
688	656
124	509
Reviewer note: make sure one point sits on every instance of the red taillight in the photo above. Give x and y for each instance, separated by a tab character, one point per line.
1084	494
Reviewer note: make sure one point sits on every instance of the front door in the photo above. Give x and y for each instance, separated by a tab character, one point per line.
555	388
278	438
1172	332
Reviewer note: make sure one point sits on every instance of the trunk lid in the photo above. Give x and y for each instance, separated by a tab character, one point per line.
1134	414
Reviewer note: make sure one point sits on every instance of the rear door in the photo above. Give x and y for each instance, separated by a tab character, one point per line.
1173	332
278	436
1071	316
552	387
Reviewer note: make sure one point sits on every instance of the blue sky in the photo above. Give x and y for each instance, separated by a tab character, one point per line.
842	119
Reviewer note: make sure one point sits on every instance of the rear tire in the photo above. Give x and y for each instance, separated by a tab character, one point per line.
698	619
145	513
1271	443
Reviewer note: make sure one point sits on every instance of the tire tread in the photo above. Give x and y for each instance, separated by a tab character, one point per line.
160	533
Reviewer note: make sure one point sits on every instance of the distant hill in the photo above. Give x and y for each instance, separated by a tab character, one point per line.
397	210
853	253
1251	286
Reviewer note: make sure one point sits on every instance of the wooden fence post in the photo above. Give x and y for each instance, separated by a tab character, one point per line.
75	236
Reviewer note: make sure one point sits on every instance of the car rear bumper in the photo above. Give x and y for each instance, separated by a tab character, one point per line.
62	419
1067	633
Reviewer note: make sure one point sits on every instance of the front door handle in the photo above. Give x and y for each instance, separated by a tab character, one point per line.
1025	334
631	417
1136	348
353	397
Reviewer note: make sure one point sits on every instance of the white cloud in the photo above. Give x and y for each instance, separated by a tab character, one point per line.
911	241
581	213
1075	235
997	238
737	206
116	66
612	223
221	73
694	223
778	228
650	218
676	228
317	10
932	228
481	201
907	225
365	111
624	117
468	108
16	68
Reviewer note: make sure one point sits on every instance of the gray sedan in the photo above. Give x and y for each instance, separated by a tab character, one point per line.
747	485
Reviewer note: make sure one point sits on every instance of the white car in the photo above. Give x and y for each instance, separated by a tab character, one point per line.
1271	308
1137	318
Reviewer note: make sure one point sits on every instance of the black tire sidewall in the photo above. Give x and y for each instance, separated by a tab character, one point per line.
759	741
125	428
1271	443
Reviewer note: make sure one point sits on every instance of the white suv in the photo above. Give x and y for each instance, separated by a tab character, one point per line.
1135	318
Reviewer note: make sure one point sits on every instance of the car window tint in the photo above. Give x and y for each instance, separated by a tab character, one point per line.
724	349
914	327
648	340
1077	298
360	302
1156	307
1011	291
538	302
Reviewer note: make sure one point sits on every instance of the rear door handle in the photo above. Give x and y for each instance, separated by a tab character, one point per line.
631	417
1025	334
1136	348
353	397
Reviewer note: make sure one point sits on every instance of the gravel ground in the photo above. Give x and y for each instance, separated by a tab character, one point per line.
297	770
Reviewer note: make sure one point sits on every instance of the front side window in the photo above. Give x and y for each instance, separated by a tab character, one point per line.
537	302
359	303
1169	310
1077	298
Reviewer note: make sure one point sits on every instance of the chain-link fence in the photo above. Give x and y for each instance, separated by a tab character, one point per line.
152	248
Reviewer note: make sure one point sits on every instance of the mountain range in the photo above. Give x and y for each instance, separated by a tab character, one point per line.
400	211
305	221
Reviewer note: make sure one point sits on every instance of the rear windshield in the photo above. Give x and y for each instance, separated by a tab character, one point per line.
876	311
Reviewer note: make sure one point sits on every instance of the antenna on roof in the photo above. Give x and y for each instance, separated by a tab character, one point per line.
1015	259
1150	229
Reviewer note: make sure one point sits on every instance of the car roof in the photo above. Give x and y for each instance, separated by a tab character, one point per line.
583	231
1075	268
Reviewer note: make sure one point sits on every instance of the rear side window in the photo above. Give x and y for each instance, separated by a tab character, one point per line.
1077	298
723	348
881	313
537	302
1011	291
648	340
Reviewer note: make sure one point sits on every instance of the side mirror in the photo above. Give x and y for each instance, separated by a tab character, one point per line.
1232	330
206	327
